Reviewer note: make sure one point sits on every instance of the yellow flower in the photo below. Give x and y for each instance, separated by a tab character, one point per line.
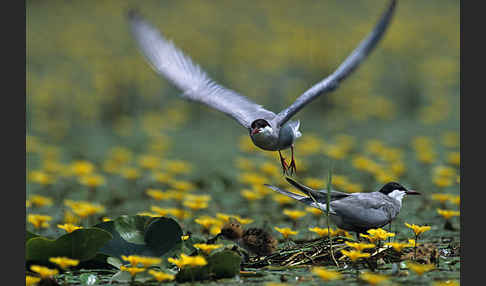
85	209
81	168
161	177
40	201
186	260
373	279
31	280
354	255
370	238
412	243
39	221
195	205
314	183
40	177
447	214
286	231
92	180
455	200
130	173
294	214
380	233
185	237
105	219
398	246
132	270
325	274
149	214
282	199
244	164
420	268
250	195
27	204
178	167
135	260
157	194
70	218
454	158
314	211
418	230
360	246
161	276
243	220
207	248
207	221
64	262
443	181
183	186
322	231
69	227
252	179
148	162
44	272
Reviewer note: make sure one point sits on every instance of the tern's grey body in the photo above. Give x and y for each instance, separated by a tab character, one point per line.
356	212
269	131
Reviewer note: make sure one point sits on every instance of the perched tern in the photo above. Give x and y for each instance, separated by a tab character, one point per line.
357	212
268	131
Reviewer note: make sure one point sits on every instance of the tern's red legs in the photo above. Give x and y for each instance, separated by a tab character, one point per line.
292	167
284	164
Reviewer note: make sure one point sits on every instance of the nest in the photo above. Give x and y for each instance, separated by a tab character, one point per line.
318	252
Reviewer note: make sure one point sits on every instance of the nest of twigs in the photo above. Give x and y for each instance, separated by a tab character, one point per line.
318	252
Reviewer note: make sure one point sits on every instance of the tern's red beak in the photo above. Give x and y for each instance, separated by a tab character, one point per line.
412	192
255	131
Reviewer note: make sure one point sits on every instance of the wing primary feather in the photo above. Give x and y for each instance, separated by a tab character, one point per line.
331	82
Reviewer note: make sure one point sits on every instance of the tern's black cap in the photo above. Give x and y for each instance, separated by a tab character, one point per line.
390	187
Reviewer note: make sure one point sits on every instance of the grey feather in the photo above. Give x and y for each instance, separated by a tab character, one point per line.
195	84
331	82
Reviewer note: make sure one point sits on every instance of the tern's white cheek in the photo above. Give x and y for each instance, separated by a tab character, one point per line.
397	195
265	131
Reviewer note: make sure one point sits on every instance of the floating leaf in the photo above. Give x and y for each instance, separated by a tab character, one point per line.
141	235
221	264
81	244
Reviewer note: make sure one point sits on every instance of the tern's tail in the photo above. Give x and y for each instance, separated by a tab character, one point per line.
303	199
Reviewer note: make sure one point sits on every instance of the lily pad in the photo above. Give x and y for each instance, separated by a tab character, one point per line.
29	235
222	264
141	235
81	244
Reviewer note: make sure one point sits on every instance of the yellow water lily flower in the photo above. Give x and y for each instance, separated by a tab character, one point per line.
186	260
294	214
64	262
325	274
360	246
132	270
420	269
380	233
39	221
31	280
418	230
157	194
286	232
314	211
373	279
322	231
184	237
354	255
207	248
44	272
251	195
398	246
447	214
161	276
441	197
145	261
69	227
92	180
40	201
446	283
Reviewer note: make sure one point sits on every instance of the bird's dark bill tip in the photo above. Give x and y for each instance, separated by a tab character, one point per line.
412	192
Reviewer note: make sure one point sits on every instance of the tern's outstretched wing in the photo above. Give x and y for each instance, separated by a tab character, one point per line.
195	84
331	82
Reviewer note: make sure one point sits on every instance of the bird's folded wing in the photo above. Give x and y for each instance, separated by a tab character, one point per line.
346	68
363	212
186	75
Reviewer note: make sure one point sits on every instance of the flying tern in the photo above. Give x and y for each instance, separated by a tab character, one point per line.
357	212
268	131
